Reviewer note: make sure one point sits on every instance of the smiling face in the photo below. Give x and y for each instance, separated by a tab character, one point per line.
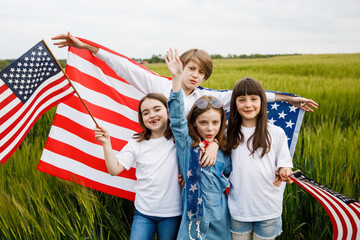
208	124
193	76
248	107
155	117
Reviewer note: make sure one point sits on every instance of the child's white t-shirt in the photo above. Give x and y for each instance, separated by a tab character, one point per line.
158	192
252	195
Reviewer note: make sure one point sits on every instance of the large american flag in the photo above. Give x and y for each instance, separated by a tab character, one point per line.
29	87
73	153
344	212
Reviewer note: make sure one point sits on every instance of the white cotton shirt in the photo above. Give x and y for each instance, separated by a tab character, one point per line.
146	81
252	195
158	192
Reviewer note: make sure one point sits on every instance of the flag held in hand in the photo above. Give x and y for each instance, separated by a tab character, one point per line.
29	87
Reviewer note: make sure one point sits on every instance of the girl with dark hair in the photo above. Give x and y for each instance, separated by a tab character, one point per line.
258	150
157	200
205	212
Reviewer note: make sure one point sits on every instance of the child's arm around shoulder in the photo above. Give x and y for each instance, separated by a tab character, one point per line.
113	166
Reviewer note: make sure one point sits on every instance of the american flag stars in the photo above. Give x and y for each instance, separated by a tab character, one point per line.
193	187
287	117
29	71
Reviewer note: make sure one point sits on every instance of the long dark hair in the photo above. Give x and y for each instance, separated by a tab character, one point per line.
261	137
195	112
146	133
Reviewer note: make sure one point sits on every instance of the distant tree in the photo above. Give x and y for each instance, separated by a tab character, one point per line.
216	56
155	59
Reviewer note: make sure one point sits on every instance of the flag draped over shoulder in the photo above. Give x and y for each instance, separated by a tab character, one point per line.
344	212
29	87
73	153
289	118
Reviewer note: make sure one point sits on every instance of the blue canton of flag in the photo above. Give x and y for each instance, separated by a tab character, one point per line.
288	117
27	73
29	87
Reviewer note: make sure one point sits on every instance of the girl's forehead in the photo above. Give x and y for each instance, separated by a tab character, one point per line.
210	114
151	103
248	95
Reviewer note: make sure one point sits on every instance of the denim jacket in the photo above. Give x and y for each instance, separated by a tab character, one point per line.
215	223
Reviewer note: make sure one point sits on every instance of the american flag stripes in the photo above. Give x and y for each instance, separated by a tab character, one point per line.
344	212
29	87
71	151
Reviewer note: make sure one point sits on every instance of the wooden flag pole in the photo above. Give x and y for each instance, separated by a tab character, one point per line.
71	84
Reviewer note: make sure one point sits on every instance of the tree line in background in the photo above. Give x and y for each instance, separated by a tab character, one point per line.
160	59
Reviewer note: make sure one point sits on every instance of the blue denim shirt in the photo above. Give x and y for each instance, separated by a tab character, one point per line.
215	223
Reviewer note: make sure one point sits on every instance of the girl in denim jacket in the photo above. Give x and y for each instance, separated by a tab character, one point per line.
205	212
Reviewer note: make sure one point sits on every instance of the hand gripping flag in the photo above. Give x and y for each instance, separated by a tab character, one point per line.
72	152
29	87
344	212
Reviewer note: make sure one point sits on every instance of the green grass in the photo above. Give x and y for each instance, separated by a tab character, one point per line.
35	205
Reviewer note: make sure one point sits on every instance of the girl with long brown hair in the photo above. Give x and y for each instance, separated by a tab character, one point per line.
258	150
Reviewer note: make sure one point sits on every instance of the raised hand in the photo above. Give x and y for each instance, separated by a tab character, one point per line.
175	68
173	63
68	40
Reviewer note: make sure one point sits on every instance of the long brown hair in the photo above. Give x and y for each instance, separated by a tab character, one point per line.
261	137
195	112
146	133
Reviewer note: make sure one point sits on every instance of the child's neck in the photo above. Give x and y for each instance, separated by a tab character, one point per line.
186	90
155	135
248	123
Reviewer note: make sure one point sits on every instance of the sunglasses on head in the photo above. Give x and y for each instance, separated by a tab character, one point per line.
202	103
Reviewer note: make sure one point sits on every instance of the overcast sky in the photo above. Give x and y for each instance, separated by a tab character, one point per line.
140	28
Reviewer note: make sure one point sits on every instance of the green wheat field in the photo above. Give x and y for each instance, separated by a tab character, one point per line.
35	205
